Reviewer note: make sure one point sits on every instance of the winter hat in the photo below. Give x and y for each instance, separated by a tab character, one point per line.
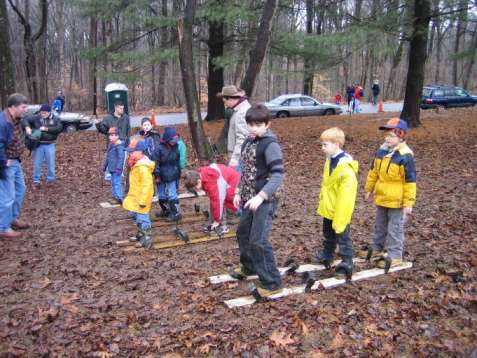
169	133
45	108
113	130
139	146
146	119
399	126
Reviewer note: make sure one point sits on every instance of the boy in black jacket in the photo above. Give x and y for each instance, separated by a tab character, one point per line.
47	127
261	163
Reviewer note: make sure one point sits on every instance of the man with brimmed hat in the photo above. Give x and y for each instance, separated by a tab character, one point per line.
235	99
47	126
392	181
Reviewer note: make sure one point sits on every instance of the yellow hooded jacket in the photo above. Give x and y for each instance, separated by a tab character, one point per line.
141	187
338	192
392	177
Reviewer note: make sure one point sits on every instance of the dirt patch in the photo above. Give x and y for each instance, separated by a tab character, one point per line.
67	290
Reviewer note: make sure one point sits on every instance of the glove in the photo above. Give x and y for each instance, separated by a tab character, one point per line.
3	169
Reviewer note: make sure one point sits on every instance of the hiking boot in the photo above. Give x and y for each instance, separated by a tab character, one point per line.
373	254
175	211
164	212
393	263
146	239
323	259
344	269
240	273
138	237
266	293
18	224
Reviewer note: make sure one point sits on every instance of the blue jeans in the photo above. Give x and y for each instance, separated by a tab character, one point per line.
167	191
142	220
44	152
12	192
117	186
256	252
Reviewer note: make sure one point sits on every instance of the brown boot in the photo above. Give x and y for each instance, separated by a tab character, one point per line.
18	224
10	234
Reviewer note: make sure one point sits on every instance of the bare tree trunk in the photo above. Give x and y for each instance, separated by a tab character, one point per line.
460	29
93	44
257	54
7	71
163	64
308	62
470	64
188	80
61	41
417	62
215	79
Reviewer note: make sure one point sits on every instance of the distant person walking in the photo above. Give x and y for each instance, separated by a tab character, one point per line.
58	104
376	90
349	96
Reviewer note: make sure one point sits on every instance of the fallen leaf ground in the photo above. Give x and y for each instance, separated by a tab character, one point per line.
66	289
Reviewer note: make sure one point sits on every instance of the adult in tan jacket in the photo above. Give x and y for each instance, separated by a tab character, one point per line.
235	99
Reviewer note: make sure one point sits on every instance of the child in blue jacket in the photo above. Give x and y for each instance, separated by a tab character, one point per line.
114	163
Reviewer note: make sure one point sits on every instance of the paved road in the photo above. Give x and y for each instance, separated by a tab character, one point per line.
181	118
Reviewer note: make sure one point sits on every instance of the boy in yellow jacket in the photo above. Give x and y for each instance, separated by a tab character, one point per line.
337	199
141	190
392	180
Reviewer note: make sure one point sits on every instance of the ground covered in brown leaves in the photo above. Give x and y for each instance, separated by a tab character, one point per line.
67	290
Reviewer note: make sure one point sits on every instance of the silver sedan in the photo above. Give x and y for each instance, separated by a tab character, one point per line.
297	105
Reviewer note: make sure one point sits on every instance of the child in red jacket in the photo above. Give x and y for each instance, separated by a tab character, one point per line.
219	183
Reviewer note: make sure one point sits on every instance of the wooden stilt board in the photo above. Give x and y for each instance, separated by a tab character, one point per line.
283	270
108	205
168	241
320	284
185	219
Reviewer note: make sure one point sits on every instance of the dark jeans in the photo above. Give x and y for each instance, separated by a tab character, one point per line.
332	239
256	252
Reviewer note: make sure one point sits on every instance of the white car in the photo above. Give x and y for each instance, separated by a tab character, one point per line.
298	105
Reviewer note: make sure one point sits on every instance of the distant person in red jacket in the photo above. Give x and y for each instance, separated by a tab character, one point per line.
338	99
219	183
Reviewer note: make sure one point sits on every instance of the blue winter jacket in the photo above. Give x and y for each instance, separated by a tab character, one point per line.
167	159
6	136
114	162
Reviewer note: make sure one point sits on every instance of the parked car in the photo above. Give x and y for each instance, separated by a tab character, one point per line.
446	96
298	105
71	121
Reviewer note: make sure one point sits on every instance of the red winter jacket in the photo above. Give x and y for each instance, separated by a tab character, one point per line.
219	182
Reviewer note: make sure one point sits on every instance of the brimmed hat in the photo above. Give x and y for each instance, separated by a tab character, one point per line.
231	91
136	147
45	108
397	124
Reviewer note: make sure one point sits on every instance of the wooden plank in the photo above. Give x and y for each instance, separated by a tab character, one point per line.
108	205
320	284
185	218
177	242
283	270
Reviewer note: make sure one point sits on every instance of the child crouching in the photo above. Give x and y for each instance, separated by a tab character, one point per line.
139	198
219	183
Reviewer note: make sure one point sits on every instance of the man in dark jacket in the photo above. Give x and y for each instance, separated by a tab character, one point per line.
46	126
117	119
376	90
12	181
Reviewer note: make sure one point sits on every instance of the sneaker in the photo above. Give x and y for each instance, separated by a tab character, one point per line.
265	293
207	229
219	231
239	273
322	259
394	263
146	242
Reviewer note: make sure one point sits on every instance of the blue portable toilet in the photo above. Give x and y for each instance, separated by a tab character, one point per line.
116	92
